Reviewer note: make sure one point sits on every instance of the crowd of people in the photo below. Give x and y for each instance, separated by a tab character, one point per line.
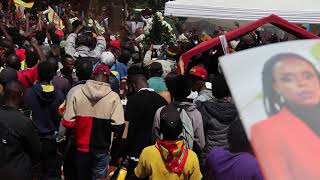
77	101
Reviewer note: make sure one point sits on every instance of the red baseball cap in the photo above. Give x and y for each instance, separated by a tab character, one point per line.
101	69
59	32
199	71
21	53
115	44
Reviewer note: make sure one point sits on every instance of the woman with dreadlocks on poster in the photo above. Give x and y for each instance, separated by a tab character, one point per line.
287	144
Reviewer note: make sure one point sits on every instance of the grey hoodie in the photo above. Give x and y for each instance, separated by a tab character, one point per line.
195	117
217	115
204	95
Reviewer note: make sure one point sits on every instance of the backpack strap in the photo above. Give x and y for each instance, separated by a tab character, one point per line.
180	108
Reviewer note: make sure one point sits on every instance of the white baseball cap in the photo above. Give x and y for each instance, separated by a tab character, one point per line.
107	58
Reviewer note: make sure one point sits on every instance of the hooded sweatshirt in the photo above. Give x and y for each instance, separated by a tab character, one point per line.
222	164
44	105
194	116
217	115
93	109
204	95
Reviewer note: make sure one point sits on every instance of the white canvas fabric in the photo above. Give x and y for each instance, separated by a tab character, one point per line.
297	11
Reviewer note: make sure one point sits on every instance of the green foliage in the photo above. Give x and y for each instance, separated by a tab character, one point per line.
153	4
159	34
141	4
172	23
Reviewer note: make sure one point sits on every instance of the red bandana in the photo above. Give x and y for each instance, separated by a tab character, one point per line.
174	154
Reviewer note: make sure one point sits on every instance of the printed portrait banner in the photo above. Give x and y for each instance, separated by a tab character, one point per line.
276	89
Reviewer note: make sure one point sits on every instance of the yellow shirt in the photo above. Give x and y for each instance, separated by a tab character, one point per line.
151	164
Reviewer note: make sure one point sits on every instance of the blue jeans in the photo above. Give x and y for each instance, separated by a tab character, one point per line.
100	166
92	165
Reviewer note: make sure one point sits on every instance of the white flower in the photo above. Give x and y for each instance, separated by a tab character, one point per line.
173	38
147	29
149	23
159	14
183	38
90	22
140	38
164	23
148	26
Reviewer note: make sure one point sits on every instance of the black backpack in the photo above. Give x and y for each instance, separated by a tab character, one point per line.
187	132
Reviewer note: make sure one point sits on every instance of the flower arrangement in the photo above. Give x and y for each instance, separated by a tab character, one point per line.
158	31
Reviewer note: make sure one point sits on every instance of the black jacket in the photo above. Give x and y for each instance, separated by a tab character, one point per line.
217	115
44	107
20	144
140	112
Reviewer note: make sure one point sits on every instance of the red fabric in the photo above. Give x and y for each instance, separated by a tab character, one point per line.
83	129
62	109
273	19
106	37
286	148
168	150
21	53
28	77
115	44
68	124
170	146
199	71
59	32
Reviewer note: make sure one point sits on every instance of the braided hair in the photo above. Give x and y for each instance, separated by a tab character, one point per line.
272	99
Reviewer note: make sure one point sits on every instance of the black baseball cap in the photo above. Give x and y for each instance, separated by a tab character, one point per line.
156	68
170	121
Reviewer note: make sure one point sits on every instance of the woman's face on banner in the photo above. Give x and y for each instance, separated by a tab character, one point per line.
297	81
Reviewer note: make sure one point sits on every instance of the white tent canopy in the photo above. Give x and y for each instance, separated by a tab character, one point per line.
297	11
